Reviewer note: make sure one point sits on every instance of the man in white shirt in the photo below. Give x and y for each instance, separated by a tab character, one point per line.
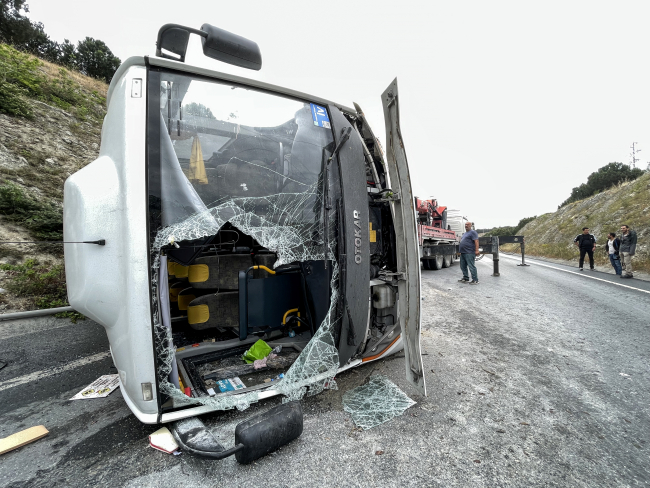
612	246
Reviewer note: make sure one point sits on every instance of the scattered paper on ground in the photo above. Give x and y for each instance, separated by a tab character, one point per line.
100	388
376	402
164	441
21	438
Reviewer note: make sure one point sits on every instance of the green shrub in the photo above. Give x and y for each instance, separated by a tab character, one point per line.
41	218
23	76
19	78
12	101
43	285
31	279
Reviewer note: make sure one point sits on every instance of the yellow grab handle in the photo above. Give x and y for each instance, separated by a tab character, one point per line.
267	270
284	319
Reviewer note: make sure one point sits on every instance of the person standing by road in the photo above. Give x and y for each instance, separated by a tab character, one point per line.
611	248
587	245
627	249
468	251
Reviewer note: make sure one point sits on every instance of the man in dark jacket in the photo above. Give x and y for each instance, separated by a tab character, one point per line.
611	248
627	249
587	245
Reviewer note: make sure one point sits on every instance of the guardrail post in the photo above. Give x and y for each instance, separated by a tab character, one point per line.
523	252
495	255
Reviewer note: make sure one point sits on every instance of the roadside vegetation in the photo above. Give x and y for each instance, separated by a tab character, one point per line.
24	77
42	218
43	285
605	178
52	103
509	230
551	235
89	56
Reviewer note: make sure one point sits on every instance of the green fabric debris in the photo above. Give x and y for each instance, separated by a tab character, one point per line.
259	350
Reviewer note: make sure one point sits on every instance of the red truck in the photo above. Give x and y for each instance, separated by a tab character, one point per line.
438	243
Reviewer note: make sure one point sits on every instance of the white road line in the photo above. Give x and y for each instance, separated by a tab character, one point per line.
579	274
39	375
9	329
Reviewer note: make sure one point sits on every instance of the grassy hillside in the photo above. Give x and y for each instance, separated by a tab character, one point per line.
50	123
551	235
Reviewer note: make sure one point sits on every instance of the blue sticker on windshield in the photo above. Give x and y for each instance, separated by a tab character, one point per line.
319	114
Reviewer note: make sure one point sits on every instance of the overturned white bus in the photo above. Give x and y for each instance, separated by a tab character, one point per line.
233	210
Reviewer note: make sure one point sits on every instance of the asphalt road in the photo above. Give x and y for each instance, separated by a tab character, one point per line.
539	377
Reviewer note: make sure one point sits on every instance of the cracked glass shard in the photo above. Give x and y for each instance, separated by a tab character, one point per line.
376	402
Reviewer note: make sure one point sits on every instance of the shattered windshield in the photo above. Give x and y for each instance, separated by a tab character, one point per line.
221	142
224	156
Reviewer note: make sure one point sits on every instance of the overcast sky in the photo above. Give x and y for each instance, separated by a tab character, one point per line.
505	106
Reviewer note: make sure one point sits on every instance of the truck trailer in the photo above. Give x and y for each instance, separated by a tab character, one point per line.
437	242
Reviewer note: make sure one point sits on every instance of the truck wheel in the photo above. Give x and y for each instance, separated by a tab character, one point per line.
446	261
437	262
426	264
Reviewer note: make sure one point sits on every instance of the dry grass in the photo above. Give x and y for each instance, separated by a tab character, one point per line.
91	85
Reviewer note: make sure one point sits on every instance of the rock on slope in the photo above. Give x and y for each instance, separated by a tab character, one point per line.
551	235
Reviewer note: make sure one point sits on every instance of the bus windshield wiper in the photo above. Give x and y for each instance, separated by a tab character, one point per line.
345	135
325	185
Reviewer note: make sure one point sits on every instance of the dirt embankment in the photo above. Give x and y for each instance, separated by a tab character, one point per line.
56	132
551	235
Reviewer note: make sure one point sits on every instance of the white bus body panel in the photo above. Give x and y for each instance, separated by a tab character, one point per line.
108	200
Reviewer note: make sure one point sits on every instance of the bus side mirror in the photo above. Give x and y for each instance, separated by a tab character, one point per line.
217	44
230	48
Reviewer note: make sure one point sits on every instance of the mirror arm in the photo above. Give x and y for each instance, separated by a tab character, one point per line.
210	454
165	28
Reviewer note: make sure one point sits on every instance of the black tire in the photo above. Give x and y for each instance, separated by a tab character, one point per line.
446	261
426	264
436	262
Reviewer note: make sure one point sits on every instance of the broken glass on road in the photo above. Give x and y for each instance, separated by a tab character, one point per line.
376	402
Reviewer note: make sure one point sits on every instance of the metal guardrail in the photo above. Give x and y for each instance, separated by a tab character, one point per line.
35	313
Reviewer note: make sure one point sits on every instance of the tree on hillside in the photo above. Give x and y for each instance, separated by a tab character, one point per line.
94	58
509	230
524	221
501	231
68	54
16	29
606	177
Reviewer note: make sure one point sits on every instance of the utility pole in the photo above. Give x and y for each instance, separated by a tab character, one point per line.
633	157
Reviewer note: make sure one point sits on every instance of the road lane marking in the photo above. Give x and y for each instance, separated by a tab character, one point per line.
580	274
9	329
39	375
